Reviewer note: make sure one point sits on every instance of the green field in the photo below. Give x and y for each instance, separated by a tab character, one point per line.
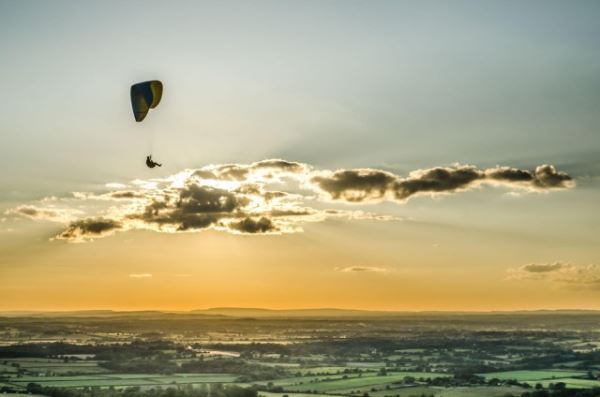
290	366
39	379
355	383
25	395
567	364
479	391
68	370
570	382
122	380
54	366
406	391
321	370
34	359
365	364
532	375
475	391
91	383
48	362
269	394
42	364
301	380
197	378
381	388
395	357
8	368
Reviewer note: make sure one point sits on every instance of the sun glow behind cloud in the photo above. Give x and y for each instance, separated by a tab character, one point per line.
271	196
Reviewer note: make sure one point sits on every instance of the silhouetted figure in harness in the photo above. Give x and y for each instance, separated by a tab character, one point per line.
150	163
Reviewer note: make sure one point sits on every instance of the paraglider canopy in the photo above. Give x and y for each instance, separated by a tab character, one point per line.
145	96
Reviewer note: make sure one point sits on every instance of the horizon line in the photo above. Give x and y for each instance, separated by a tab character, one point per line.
303	309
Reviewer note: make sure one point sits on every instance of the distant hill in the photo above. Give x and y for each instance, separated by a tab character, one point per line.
257	312
243	312
105	313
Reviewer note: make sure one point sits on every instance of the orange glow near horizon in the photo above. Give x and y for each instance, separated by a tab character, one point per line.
300	271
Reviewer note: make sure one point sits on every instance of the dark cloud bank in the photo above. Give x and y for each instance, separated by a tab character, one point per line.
368	184
257	198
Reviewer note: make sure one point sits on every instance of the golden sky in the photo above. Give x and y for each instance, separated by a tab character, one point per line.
389	155
281	234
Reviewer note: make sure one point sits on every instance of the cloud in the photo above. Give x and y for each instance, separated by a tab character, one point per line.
362	215
51	214
272	196
543	178
281	165
360	185
363	269
436	180
252	226
115	185
546	176
89	228
192	207
261	170
355	185
140	275
125	194
557	272
542	268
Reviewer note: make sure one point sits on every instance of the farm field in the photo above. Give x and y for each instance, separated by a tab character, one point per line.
478	391
472	391
532	375
31	361
271	394
54	366
39	379
4	368
365	364
290	366
300	380
569	382
354	383
405	391
322	370
410	391
25	395
121	380
380	388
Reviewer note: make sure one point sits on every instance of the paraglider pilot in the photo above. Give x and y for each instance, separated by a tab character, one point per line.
150	163
145	96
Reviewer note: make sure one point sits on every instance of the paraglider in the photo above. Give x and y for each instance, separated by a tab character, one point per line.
146	96
151	163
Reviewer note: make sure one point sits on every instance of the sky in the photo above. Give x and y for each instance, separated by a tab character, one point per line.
389	155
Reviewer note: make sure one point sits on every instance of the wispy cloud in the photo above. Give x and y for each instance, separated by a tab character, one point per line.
272	196
362	269
115	185
557	272
140	275
47	213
